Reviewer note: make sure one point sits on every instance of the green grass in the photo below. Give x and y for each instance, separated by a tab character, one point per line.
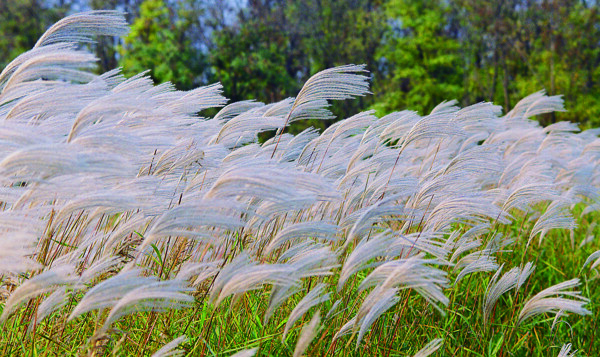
237	323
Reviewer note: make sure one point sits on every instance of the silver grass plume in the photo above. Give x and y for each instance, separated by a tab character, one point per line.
242	274
411	273
108	293
52	303
83	27
303	230
375	304
595	258
245	353
482	264
157	296
556	216
430	348
313	298
47	281
337	83
16	250
565	351
555	299
308	333
170	349
513	279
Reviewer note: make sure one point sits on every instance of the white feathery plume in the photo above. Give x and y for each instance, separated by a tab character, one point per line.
100	267
513	279
363	220
447	106
556	320
200	271
108	293
346	329
401	123
82	27
156	296
62	61
476	207
333	308
495	245
60	100
536	103
279	295
52	303
242	275
595	258
62	64
544	105
337	83
245	353
47	281
433	126
482	160
16	250
375	304
556	216
484	263
188	219
313	298
309	259
397	187
245	127
323	230
195	100
44	161
562	127
22	58
308	333
565	351
347	127
362	253
169	350
411	273
554	299
234	109
270	184
430	348
296	145
480	118
268	211
528	195
464	245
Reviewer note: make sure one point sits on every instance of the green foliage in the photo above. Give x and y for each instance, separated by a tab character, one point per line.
563	60
422	59
157	42
237	325
250	62
418	52
22	22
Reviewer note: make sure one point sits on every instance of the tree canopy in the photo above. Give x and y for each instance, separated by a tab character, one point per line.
419	53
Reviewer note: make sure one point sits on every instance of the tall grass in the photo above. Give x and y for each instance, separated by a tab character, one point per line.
130	225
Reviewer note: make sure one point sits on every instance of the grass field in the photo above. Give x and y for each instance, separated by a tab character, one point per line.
133	226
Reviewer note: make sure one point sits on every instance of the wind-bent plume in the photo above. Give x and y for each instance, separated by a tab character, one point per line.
119	200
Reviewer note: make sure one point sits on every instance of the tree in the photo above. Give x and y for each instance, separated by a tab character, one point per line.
22	22
251	61
106	47
421	57
338	32
158	41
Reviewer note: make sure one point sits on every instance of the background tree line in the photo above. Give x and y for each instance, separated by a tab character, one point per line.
419	52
